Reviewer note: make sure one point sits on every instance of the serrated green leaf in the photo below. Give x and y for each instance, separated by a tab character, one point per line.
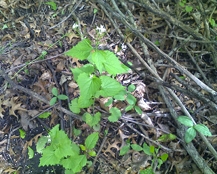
131	99
190	134
62	97
88	68
22	133
88	85
115	114
124	150
136	147
166	137
131	88
41	144
91	140
98	58
138	110
81	51
203	129
53	101
185	120
112	65
30	152
49	157
45	115
74	106
146	149
54	91
109	87
164	157
75	163
92	120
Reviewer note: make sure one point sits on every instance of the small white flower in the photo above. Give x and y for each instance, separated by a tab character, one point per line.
101	29
75	25
124	47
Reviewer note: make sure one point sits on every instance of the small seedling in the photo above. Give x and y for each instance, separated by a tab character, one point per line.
148	150
58	149
56	96
190	134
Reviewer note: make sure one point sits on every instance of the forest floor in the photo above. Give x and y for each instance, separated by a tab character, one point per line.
171	50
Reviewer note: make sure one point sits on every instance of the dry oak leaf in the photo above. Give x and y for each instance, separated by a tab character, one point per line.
11	102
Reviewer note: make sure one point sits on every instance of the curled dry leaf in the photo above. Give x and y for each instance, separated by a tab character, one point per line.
140	89
143	105
3	4
102	102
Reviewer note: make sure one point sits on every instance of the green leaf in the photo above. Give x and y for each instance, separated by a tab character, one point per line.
188	8
166	138
190	134
124	149
22	133
88	85
128	108
91	140
75	163
81	51
138	110
54	91
41	144
52	4
160	162
121	95
45	115
164	157
49	157
76	132
74	107
30	152
149	170
83	148
92	120
109	87
88	68
181	4
152	149
109	102
131	99
185	120
98	58
62	97
146	149
131	88
203	129
112	65
53	101
115	114
136	147
96	127
83	102
92	153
